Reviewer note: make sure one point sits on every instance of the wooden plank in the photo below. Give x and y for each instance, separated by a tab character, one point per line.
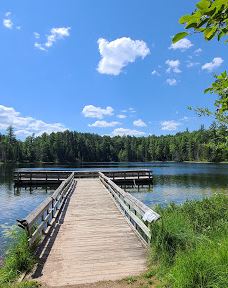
94	243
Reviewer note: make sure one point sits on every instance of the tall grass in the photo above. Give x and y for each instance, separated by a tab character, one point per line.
19	258
26	284
190	244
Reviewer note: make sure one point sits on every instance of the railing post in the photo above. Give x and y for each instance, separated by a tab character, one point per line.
52	207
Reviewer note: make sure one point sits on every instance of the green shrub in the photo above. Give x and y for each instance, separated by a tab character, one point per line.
206	215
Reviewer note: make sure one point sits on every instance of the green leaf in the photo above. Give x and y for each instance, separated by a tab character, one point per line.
208	90
191	25
179	36
203	4
201	23
209	33
184	19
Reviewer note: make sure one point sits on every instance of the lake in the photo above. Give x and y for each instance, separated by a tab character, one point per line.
173	182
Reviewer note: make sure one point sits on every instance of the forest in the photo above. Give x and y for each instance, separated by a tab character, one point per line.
70	146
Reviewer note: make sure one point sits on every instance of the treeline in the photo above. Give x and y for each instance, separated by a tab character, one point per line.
201	145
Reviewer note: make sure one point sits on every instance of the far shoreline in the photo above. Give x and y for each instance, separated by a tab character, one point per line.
110	162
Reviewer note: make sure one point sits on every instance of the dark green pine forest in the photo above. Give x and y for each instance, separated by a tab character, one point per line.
201	145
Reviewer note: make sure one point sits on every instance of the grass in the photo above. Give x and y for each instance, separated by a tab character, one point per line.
189	249
26	284
19	259
189	244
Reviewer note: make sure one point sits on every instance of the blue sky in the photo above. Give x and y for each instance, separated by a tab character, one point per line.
104	67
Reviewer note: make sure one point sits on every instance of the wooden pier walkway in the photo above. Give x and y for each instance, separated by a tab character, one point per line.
95	242
91	230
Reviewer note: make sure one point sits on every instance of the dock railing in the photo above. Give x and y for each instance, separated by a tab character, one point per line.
44	177
39	221
139	215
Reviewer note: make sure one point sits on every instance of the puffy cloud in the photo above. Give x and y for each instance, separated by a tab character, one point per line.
125	131
104	124
7	22
139	123
198	51
55	34
191	64
171	125
121	116
36	35
182	44
117	54
173	66
25	126
91	111
132	110
215	63
171	82
185	118
155	73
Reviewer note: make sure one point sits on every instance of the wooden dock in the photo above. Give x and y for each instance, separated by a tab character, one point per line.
91	230
50	177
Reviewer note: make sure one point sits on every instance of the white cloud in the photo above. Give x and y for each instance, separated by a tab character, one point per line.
117	54
132	110
125	131
185	118
39	46
92	111
55	34
171	125
173	66
7	21
36	35
171	82
156	73
25	126
198	51
121	116
191	64
139	123
182	44
215	63
104	124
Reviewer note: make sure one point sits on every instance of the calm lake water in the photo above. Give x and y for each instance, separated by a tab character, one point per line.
173	182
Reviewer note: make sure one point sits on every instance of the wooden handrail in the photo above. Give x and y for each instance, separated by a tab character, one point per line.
50	174
137	212
39	221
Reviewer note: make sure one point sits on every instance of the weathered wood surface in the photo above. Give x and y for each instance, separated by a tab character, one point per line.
94	242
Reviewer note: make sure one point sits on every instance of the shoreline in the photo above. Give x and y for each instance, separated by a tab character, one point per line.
112	162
